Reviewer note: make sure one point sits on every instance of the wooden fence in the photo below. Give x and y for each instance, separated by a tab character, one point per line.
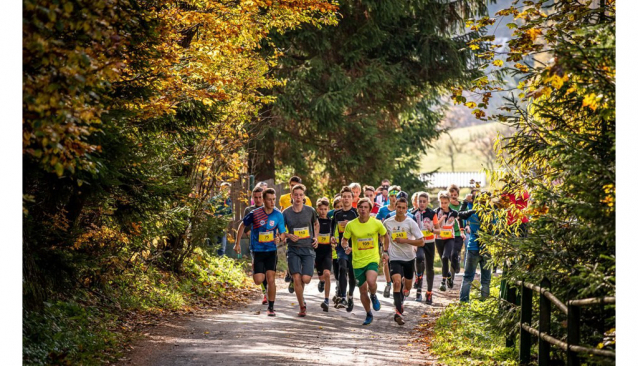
545	340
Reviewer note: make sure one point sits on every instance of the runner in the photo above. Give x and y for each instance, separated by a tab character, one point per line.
303	227
381	215
346	272
285	201
363	232
323	251
242	230
405	237
356	192
427	221
267	226
459	235
368	191
336	205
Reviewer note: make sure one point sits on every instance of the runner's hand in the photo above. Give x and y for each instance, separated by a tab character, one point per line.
293	237
333	240
348	250
385	258
237	248
315	243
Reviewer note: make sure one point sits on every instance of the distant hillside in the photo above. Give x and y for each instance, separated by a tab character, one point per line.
469	147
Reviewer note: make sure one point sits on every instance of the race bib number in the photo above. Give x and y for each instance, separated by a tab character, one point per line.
302	232
365	243
323	238
427	233
266	236
447	234
399	234
342	226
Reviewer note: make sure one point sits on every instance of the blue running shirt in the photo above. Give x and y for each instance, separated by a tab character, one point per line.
265	227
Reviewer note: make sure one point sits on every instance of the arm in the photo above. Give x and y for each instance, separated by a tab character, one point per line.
464	215
315	241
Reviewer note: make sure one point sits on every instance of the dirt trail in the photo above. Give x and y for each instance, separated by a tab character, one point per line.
246	336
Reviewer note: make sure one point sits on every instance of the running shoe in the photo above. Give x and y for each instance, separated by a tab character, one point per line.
406	293
450	283
398	318
350	304
443	287
325	305
368	320
271	312
418	298
321	286
386	292
376	305
335	299
342	303
428	298
265	300
288	278
302	311
291	287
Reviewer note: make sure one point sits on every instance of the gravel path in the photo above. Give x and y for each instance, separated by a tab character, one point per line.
246	336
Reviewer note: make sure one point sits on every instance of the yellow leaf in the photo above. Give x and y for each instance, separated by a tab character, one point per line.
498	63
470	105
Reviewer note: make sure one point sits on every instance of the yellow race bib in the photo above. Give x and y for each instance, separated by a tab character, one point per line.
342	226
399	234
427	233
323	238
365	243
266	236
447	234
302	232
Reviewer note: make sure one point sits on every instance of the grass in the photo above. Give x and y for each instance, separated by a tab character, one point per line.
470	158
89	327
465	333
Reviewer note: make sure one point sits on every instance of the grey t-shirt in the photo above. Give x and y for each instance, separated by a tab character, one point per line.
408	229
301	224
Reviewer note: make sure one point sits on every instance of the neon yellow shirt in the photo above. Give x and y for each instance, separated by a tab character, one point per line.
365	241
285	201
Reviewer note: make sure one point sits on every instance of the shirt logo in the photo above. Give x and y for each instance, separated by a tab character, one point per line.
271	223
262	222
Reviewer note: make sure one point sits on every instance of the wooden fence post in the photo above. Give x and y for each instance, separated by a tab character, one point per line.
544	324
526	317
573	333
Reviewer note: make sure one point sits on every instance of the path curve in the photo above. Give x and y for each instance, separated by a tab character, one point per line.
246	336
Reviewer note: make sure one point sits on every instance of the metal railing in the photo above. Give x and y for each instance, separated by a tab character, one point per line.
545	340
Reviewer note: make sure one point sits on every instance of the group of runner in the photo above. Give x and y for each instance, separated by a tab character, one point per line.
351	240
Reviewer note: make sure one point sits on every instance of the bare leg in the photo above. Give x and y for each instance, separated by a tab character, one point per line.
299	286
272	287
365	299
326	279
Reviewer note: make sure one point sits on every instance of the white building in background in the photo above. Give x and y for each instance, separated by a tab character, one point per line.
461	179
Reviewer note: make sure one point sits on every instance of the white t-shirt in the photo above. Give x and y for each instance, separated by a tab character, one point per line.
407	229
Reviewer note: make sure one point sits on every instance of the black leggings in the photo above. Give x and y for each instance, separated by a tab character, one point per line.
346	276
458	247
445	249
425	262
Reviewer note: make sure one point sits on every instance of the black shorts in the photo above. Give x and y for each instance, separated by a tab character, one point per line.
323	261
404	268
264	261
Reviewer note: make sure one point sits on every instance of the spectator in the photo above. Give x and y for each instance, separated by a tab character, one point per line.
222	206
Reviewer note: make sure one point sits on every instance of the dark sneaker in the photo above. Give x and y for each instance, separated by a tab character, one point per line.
368	320
265	300
288	278
418	298
386	292
428	298
322	286
342	303
335	299
350	304
376	305
443	287
450	283
302	311
398	318
291	287
406	293
325	305
271	312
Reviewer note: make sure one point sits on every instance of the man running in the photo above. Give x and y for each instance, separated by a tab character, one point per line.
381	215
346	272
242	230
363	232
285	200
267	224
303	227
323	251
356	193
368	191
336	205
404	237
427	221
